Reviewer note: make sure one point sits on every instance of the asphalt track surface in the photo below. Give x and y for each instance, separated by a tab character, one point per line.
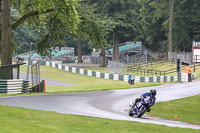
107	104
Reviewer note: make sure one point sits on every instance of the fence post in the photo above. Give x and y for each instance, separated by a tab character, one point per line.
178	65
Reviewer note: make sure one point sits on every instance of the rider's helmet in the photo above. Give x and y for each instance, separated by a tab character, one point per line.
153	92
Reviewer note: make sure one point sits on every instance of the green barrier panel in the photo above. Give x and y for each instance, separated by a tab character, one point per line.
102	75
111	76
151	79
158	79
77	70
142	79
165	79
50	64
94	73
63	67
171	78
70	69
121	77
85	72
56	65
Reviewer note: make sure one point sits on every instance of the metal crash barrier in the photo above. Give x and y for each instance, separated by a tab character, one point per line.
14	86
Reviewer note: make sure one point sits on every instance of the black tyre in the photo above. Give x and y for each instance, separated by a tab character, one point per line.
141	112
130	113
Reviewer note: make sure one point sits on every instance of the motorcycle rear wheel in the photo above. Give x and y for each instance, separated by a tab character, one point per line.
141	112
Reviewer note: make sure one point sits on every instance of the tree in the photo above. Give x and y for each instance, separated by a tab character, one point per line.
93	27
6	49
171	9
35	13
123	13
186	25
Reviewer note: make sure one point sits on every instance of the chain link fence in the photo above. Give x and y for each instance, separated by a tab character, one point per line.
35	74
116	67
183	56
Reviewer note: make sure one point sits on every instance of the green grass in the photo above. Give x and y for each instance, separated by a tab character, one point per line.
99	69
156	66
187	109
20	120
83	83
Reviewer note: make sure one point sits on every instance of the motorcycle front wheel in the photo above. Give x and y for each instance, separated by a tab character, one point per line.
130	113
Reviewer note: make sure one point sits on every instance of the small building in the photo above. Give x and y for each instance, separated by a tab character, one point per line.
196	51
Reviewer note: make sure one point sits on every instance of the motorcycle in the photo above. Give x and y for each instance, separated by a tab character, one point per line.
140	107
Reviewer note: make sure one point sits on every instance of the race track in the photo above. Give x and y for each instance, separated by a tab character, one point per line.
107	104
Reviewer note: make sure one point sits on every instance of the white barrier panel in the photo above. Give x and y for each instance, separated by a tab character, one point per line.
126	78
98	74
53	64
106	76
89	73
146	79
47	63
74	69
168	78
154	79
175	78
59	66
161	78
81	71
116	77
184	77
67	68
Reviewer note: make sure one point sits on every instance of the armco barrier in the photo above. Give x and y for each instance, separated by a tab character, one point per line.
14	86
181	76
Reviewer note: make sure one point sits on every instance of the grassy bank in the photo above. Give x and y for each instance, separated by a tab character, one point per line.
19	120
186	109
156	66
83	83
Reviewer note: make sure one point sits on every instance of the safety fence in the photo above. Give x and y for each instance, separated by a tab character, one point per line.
14	86
116	67
35	74
182	77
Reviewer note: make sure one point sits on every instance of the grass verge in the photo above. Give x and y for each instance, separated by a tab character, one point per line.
83	83
13	118
19	120
186	109
156	66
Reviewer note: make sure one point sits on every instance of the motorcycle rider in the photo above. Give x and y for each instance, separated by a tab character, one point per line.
131	79
151	94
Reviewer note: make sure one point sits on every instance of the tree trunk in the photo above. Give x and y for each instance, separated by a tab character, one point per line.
115	47
79	51
171	8
6	48
103	58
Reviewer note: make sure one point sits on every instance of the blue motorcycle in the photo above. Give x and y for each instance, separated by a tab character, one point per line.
140	107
